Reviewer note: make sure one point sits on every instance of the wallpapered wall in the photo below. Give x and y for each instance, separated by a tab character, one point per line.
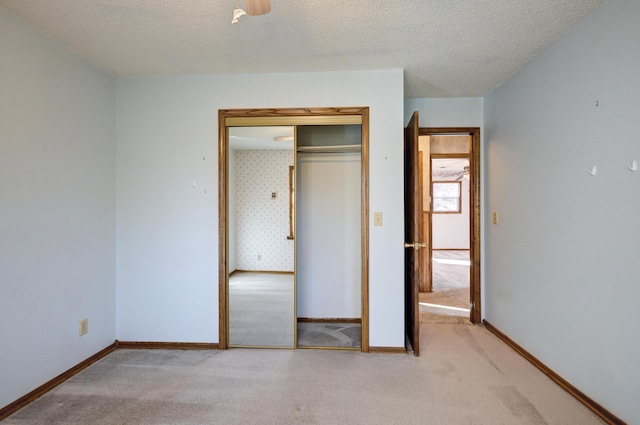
451	231
262	223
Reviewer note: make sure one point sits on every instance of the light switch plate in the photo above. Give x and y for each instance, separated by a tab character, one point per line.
377	219
84	326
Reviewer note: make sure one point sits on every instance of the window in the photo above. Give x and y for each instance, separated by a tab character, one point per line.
447	197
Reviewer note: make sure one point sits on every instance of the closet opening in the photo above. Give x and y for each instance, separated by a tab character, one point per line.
323	210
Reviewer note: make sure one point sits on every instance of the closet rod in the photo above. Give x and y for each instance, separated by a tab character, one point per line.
333	148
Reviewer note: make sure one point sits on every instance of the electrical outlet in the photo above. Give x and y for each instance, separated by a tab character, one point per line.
259	257
495	217
84	326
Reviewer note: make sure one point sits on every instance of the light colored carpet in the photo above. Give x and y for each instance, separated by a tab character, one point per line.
341	335
261	314
465	376
261	309
451	274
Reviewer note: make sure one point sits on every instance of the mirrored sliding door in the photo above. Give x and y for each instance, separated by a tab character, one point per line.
261	291
247	319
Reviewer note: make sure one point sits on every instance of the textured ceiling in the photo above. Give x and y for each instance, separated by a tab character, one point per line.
448	48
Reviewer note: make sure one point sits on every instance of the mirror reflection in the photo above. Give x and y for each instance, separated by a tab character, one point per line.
261	246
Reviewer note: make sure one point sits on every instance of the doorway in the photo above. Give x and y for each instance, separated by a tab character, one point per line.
418	239
447	297
297	118
450	290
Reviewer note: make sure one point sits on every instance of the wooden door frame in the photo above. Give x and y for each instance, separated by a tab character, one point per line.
474	216
287	116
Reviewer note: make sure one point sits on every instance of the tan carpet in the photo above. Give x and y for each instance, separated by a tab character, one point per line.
465	376
329	335
261	309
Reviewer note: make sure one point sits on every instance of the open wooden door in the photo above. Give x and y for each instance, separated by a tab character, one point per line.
412	233
424	163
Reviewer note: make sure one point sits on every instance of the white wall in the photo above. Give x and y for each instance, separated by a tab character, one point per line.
562	266
462	112
329	244
167	231
262	223
451	231
57	191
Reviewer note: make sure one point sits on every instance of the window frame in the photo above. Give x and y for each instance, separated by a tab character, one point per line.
434	197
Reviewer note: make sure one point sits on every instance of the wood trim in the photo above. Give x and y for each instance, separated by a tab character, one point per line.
454	131
475	245
364	181
293	116
293	112
424	224
288	116
388	350
450	155
223	235
595	407
329	320
49	385
293	120
259	271
323	347
474	213
262	347
167	345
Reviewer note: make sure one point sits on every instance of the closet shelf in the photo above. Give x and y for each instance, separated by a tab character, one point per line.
330	148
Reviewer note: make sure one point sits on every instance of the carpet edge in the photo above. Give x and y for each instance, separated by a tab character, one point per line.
13	407
592	405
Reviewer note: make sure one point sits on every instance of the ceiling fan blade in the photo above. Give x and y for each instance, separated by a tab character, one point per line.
283	138
257	7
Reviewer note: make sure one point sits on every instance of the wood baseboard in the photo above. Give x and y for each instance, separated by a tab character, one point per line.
387	350
167	345
48	386
329	320
259	271
596	408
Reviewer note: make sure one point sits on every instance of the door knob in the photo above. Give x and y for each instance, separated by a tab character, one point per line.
415	245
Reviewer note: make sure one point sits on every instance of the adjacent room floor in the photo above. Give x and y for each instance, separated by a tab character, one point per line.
450	299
